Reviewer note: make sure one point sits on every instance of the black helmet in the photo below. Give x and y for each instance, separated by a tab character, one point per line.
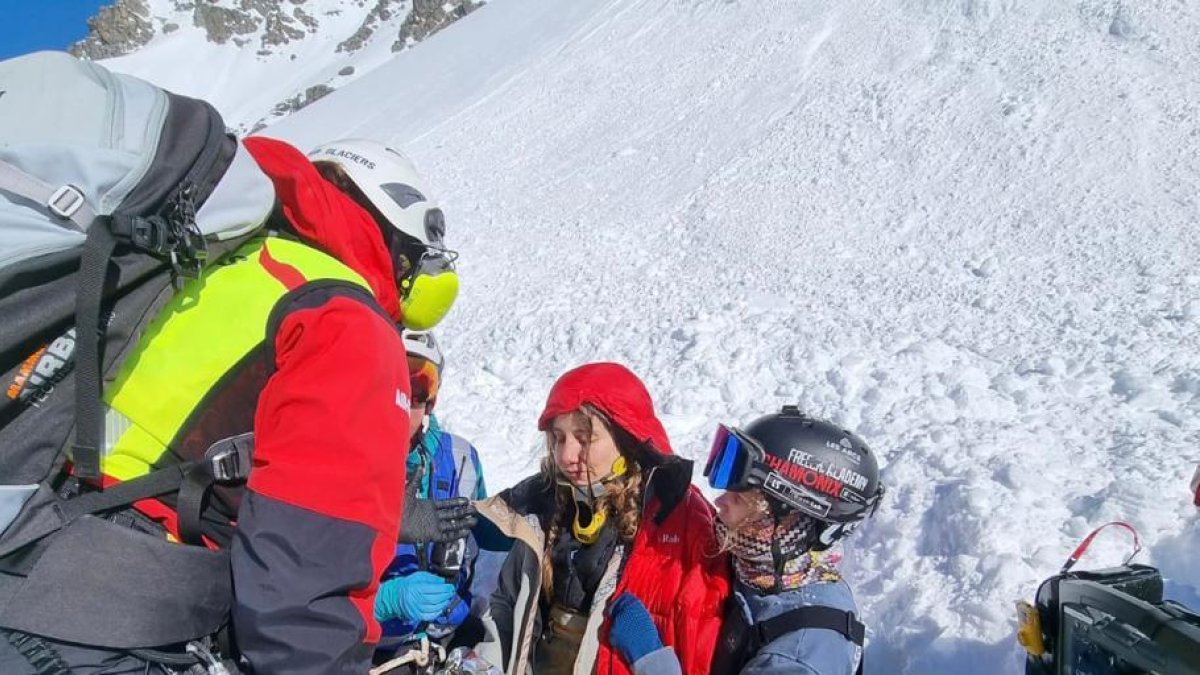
800	464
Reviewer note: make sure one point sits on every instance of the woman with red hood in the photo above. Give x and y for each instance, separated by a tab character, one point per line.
611	511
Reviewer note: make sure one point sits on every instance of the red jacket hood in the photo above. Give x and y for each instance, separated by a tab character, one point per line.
326	218
615	391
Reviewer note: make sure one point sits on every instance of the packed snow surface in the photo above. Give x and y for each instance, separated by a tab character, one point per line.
965	229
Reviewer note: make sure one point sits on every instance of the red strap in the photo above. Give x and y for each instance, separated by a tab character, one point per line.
289	276
1087	541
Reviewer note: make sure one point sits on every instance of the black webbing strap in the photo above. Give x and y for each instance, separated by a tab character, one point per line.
156	483
43	657
225	645
813	617
35	538
93	270
193	493
160	657
227	462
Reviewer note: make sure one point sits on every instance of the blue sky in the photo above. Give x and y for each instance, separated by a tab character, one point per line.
30	25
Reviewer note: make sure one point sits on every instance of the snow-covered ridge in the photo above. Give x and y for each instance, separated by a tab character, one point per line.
258	60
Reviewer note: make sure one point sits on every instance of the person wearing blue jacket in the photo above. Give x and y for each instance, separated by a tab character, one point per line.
794	486
426	588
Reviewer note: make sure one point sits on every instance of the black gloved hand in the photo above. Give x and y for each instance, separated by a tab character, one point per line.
434	520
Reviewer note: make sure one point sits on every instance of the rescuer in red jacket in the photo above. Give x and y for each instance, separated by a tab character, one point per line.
320	520
259	428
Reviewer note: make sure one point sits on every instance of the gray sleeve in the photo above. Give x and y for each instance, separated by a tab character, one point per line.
503	601
294	572
658	662
768	663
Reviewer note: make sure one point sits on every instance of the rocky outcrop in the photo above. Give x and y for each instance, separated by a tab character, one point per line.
222	23
291	105
383	11
278	22
127	24
116	29
262	26
428	17
302	99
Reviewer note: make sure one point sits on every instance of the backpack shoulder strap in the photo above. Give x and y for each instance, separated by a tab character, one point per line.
93	273
466	473
829	618
843	622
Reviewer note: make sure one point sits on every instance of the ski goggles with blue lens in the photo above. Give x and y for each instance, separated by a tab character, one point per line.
735	461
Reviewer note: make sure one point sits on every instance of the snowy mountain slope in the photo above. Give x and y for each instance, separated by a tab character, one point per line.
964	228
258	61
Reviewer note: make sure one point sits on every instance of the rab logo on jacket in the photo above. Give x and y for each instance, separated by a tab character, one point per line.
402	401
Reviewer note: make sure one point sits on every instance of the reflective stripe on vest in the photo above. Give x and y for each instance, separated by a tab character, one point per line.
202	334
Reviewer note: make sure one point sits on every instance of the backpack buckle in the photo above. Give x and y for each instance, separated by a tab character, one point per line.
190	250
212	665
856	632
229	458
66	201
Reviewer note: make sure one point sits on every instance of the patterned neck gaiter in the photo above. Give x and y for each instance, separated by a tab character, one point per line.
750	545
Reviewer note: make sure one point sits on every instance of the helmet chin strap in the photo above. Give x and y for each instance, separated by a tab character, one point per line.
780	557
589	494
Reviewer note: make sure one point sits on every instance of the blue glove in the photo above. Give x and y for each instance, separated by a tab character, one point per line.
420	596
455	613
632	631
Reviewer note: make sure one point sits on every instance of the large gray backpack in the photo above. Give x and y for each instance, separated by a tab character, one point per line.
111	191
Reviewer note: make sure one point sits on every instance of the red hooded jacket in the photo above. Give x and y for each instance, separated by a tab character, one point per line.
674	565
321	514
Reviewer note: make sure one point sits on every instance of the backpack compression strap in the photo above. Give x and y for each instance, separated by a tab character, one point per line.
228	461
68	204
44	658
173	238
813	617
65	201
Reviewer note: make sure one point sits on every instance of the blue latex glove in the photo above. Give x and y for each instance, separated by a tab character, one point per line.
420	596
455	613
632	631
